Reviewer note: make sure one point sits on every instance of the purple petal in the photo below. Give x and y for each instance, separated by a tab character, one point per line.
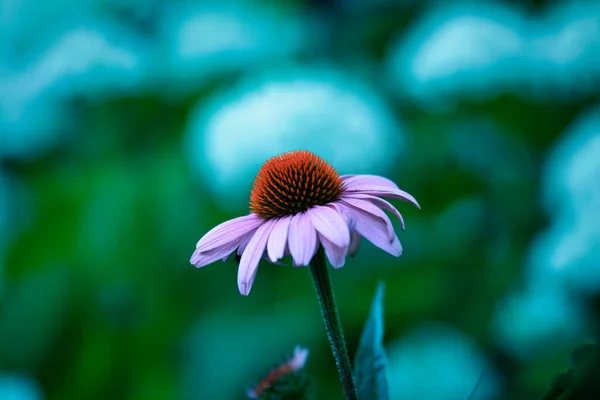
200	259
392	194
370	233
368	207
394	248
229	231
345	212
370	228
302	239
251	256
244	242
380	189
378	202
278	238
358	181
354	243
336	255
330	224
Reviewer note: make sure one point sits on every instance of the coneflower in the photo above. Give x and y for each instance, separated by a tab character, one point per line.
301	207
298	202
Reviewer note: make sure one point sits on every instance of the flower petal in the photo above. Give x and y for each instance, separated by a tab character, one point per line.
244	242
345	213
392	194
377	186
370	228
375	211
278	238
359	181
200	259
336	255
302	239
229	231
394	248
354	243
381	203
252	255
330	224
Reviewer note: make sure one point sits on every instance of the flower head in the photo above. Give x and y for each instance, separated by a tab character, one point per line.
294	364
298	203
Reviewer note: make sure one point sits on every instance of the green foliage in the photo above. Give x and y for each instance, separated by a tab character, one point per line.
370	361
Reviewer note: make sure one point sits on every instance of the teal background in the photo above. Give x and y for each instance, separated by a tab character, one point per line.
130	129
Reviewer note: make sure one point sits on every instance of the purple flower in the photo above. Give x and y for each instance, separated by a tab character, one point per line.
299	202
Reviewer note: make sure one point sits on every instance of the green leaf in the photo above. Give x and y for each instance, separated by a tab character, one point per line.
370	360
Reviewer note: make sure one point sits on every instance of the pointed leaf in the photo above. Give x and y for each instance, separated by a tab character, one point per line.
370	360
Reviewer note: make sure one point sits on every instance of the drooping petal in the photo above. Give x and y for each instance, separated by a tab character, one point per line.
302	239
244	242
344	212
394	248
229	231
368	207
354	243
251	257
356	182
330	224
377	186
379	202
278	238
392	194
336	255
371	229
200	259
373	235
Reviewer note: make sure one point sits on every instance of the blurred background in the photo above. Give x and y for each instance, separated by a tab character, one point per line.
130	128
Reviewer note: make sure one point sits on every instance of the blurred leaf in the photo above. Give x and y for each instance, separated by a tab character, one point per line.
370	361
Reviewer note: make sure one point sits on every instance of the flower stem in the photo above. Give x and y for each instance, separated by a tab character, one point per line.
320	275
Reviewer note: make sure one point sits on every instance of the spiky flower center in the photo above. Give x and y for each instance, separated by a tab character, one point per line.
293	182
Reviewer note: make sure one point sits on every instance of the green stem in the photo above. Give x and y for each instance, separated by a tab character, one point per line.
320	275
